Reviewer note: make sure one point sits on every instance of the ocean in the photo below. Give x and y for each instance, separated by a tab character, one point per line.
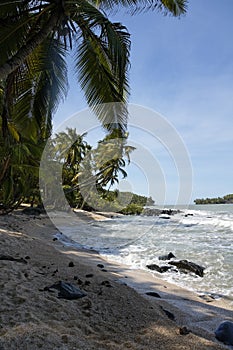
200	233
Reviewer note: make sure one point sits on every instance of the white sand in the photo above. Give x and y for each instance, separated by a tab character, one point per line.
112	315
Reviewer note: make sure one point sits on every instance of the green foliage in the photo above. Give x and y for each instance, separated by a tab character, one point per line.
88	173
132	209
111	156
127	203
43	29
35	38
19	173
228	199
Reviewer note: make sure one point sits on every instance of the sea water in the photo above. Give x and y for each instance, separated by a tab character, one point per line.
201	234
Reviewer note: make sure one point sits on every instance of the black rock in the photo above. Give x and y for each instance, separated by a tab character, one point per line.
89	275
168	256
165	268
153	267
67	290
158	268
170	211
106	284
207	297
11	258
151	212
101	266
184	330
32	211
78	280
71	264
224	332
169	314
185	265
153	294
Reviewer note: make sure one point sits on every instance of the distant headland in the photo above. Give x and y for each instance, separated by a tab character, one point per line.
228	199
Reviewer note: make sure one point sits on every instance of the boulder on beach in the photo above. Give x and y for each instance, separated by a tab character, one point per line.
224	332
67	290
33	211
185	265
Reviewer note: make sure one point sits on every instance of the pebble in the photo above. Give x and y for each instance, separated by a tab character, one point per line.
184	330
101	266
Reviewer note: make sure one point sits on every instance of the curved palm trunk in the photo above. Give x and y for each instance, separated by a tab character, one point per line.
6	104
4	122
19	58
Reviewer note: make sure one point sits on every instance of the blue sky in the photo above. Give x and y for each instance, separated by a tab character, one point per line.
183	69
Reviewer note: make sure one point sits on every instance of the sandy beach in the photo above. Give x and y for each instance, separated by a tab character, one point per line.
115	313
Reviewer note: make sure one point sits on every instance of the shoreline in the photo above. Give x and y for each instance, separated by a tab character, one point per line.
124	293
208	296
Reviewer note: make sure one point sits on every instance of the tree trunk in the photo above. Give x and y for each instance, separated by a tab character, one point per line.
14	62
7	101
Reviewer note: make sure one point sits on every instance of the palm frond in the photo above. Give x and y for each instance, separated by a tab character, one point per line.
52	84
102	63
174	7
16	21
39	85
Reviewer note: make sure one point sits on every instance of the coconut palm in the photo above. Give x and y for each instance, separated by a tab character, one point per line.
111	157
19	164
28	98
35	38
31	93
102	47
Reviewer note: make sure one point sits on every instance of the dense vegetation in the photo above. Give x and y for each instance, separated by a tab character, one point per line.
228	199
36	36
89	173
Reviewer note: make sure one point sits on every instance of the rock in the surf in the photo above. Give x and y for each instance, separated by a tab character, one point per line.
185	265
224	332
168	256
158	268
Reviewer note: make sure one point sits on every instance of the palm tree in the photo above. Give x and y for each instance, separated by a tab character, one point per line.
19	165
65	152
102	47
31	93
110	158
28	98
35	38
